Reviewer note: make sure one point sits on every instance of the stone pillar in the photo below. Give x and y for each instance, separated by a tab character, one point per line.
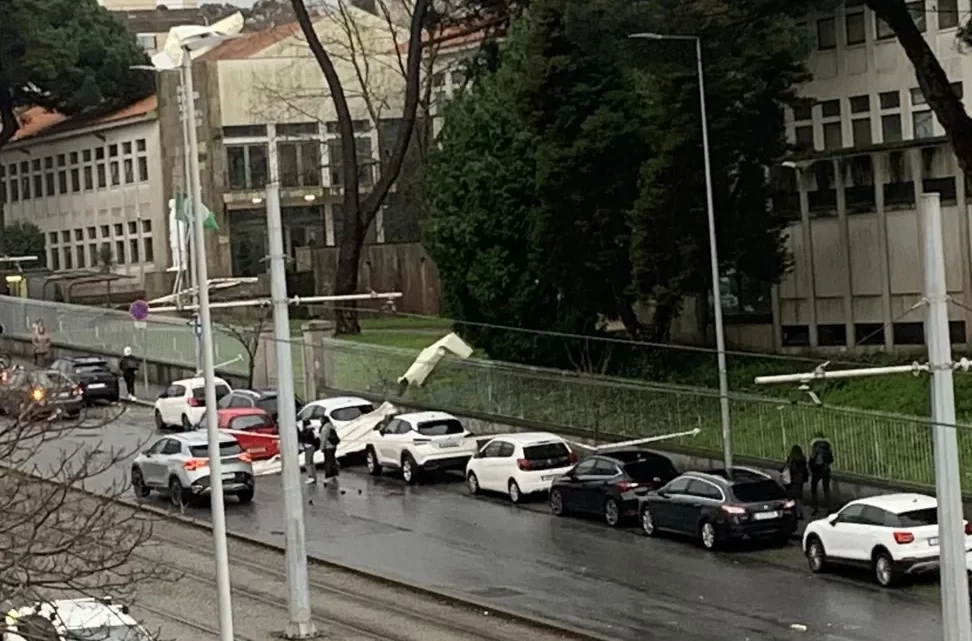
878	161
807	230
318	366
265	361
845	252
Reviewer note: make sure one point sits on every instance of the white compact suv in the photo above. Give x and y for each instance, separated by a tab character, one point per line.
519	464
85	618
894	535
183	402
419	442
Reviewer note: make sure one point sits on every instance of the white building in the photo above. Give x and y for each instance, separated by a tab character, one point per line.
871	147
93	185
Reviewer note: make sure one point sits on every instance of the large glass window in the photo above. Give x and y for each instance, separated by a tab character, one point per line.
246	166
300	163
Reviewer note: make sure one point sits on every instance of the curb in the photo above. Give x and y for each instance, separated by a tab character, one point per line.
486	609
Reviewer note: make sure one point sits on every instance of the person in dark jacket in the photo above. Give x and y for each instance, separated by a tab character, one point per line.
821	460
309	443
129	367
795	473
330	441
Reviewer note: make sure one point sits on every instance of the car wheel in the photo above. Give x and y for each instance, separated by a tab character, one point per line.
114	398
472	482
410	470
186	425
176	493
371	462
816	555
884	569
516	496
612	512
708	535
557	503
138	484
246	497
647	522
159	423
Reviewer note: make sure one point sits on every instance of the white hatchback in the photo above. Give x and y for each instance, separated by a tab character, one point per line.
519	464
417	443
84	618
183	402
894	535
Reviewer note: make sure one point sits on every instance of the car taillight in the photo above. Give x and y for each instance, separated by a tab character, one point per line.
193	402
245	457
421	441
968	528
194	464
523	464
37	394
903	538
572	458
789	505
624	486
735	510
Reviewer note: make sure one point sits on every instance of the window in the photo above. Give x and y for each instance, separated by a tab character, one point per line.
25	187
14	191
38	185
756	491
891	128
300	163
127	148
442	427
149	251
79	251
48	163
803	110
245	131
833	335
948	15
246	166
78	234
55	259
833	138
862	132
49	184
917	11
61	160
132	228
826	34
91	232
908	333
93	253
112	150
75	180
99	153
918	518
86	155
140	145
804	137
869	333
226	448
917	97
298	129
68	258
924	124
143	169
119	229
359	127
678	486
65	236
115	177
52	238
129	171
88	178
854	27
860	104
74	157
104	231
120	251
830	108
102	176
146	226
890	100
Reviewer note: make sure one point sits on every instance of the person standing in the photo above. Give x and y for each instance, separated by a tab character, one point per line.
42	345
129	367
821	461
331	440
795	472
309	443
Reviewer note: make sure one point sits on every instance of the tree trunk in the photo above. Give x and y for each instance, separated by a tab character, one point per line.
8	127
932	78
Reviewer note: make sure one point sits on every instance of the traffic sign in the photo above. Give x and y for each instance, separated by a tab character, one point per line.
139	310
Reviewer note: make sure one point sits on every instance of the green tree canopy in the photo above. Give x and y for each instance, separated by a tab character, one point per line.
26	239
65	55
568	185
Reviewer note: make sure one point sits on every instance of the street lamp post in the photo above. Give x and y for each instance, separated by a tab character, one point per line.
713	250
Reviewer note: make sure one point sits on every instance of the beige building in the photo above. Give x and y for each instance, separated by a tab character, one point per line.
93	186
146	5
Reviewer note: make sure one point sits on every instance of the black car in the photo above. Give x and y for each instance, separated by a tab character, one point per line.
93	374
266	400
40	393
717	510
609	484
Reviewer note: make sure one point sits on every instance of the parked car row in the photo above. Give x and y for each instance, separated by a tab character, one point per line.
67	619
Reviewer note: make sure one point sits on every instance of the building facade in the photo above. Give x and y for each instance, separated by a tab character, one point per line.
92	185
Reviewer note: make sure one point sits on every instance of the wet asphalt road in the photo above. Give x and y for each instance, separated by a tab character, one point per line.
579	572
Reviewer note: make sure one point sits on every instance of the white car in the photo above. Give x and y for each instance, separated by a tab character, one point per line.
519	464
183	403
419	442
338	411
894	535
73	619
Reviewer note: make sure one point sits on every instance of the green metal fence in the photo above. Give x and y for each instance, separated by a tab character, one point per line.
879	446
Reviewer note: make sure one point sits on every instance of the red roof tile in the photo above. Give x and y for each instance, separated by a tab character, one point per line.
37	121
247	45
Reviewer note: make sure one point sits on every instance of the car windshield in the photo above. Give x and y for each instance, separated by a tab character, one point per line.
545	451
268	405
918	518
226	448
755	491
90	368
651	469
108	633
248	422
199	393
442	427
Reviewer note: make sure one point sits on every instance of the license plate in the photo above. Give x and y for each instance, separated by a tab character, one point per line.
766	516
229	476
445	444
933	542
96	386
548	477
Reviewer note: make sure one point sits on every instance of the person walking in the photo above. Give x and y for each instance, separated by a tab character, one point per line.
821	461
309	443
795	473
129	367
331	440
42	344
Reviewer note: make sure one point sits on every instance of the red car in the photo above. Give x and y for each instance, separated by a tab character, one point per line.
254	429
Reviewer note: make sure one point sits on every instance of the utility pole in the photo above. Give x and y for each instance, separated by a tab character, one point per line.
300	626
224	596
956	623
188	96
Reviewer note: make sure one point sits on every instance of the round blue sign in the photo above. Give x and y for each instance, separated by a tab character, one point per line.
139	310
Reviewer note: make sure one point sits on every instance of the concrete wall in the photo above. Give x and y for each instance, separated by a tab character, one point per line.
404	267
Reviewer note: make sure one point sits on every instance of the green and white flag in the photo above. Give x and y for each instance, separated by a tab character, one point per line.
182	212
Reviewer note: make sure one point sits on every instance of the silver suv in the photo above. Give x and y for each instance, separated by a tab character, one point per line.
179	464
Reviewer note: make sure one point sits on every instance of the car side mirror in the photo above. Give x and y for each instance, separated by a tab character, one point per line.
663	494
147	453
834	521
163	395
